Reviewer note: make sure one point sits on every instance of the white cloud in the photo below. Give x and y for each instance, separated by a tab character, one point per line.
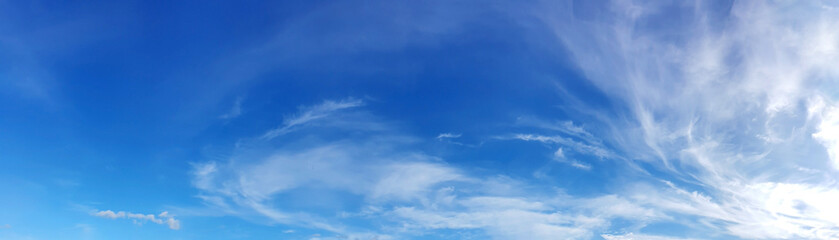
559	156
559	153
756	211
312	113
448	135
369	170
409	191
580	165
828	132
6	226
406	181
501	224
580	147
633	236
719	105
730	105
450	138
369	166
110	214
348	167
162	218
565	127
527	217
495	202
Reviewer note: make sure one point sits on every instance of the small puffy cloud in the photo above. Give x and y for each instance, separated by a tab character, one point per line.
109	214
162	218
559	153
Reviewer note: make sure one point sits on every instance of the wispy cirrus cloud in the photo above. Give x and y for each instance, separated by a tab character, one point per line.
559	155
162	218
565	127
735	102
729	111
369	167
409	192
528	217
310	114
448	135
581	147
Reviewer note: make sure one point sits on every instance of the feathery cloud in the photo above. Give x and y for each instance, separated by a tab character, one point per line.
310	114
721	106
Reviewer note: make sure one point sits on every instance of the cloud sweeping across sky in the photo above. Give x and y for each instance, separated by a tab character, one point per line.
612	119
409	192
728	107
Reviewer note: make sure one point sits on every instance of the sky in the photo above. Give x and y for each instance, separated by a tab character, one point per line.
366	119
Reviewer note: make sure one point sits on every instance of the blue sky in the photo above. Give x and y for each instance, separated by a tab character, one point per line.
419	120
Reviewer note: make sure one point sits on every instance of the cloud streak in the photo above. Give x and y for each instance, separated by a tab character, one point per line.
448	135
311	114
162	218
593	150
